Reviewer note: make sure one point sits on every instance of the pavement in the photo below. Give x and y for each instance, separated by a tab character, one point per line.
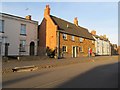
49	62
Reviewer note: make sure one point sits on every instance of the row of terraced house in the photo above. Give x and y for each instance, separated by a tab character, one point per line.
23	36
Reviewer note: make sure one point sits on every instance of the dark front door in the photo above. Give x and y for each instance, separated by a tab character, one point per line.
32	46
73	51
6	49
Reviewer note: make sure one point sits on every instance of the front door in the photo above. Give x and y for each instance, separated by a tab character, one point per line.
74	51
6	49
32	45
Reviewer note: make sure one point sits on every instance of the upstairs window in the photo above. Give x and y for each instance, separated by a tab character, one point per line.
73	38
64	36
23	29
64	49
22	45
81	39
1	25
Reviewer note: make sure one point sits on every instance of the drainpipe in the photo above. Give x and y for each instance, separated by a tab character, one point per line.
58	45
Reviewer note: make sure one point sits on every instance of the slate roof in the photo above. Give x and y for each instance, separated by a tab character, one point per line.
70	28
102	38
18	17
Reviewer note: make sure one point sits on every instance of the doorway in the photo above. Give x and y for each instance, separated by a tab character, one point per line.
6	49
74	51
32	46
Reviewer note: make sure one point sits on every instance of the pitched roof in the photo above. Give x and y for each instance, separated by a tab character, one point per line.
17	17
101	37
70	28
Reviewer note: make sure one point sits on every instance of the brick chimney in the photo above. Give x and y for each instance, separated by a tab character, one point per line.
93	32
76	21
28	17
47	10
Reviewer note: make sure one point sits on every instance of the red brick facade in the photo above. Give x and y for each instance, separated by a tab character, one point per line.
48	37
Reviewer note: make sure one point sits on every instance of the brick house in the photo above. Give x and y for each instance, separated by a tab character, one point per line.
68	39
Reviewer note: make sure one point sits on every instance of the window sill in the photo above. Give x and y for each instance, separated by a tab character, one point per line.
23	34
22	51
1	32
73	40
81	52
65	39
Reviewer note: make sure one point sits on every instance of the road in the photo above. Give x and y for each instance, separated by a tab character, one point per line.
94	74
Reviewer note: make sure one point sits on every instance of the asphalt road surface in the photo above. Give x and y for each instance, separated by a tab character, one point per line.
94	74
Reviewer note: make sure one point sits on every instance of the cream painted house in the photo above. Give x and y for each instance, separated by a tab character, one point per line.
18	36
102	44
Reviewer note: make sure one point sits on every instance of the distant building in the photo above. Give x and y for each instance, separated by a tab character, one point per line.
118	50
102	44
114	49
18	36
68	39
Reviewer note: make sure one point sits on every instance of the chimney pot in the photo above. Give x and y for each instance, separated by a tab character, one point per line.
28	17
93	32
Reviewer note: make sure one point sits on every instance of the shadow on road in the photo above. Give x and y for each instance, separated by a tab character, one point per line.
5	83
105	76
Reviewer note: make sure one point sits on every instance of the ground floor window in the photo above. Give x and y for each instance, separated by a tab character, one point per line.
81	49
22	45
64	48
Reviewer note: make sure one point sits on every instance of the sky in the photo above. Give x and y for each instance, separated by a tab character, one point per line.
99	16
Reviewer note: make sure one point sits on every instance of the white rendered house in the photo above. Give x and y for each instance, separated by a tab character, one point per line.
102	44
18	36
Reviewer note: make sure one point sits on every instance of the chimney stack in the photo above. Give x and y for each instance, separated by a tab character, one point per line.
76	21
93	32
28	17
47	10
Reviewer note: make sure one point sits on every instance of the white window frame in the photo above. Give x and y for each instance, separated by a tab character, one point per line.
2	26
93	42
22	46
64	36
81	39
73	38
23	30
65	48
80	49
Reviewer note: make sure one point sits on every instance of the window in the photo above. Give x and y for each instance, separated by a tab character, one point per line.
22	45
92	42
81	49
73	38
64	49
93	50
1	25
23	29
64	36
81	39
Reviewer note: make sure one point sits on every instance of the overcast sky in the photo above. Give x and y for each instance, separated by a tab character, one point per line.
99	16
